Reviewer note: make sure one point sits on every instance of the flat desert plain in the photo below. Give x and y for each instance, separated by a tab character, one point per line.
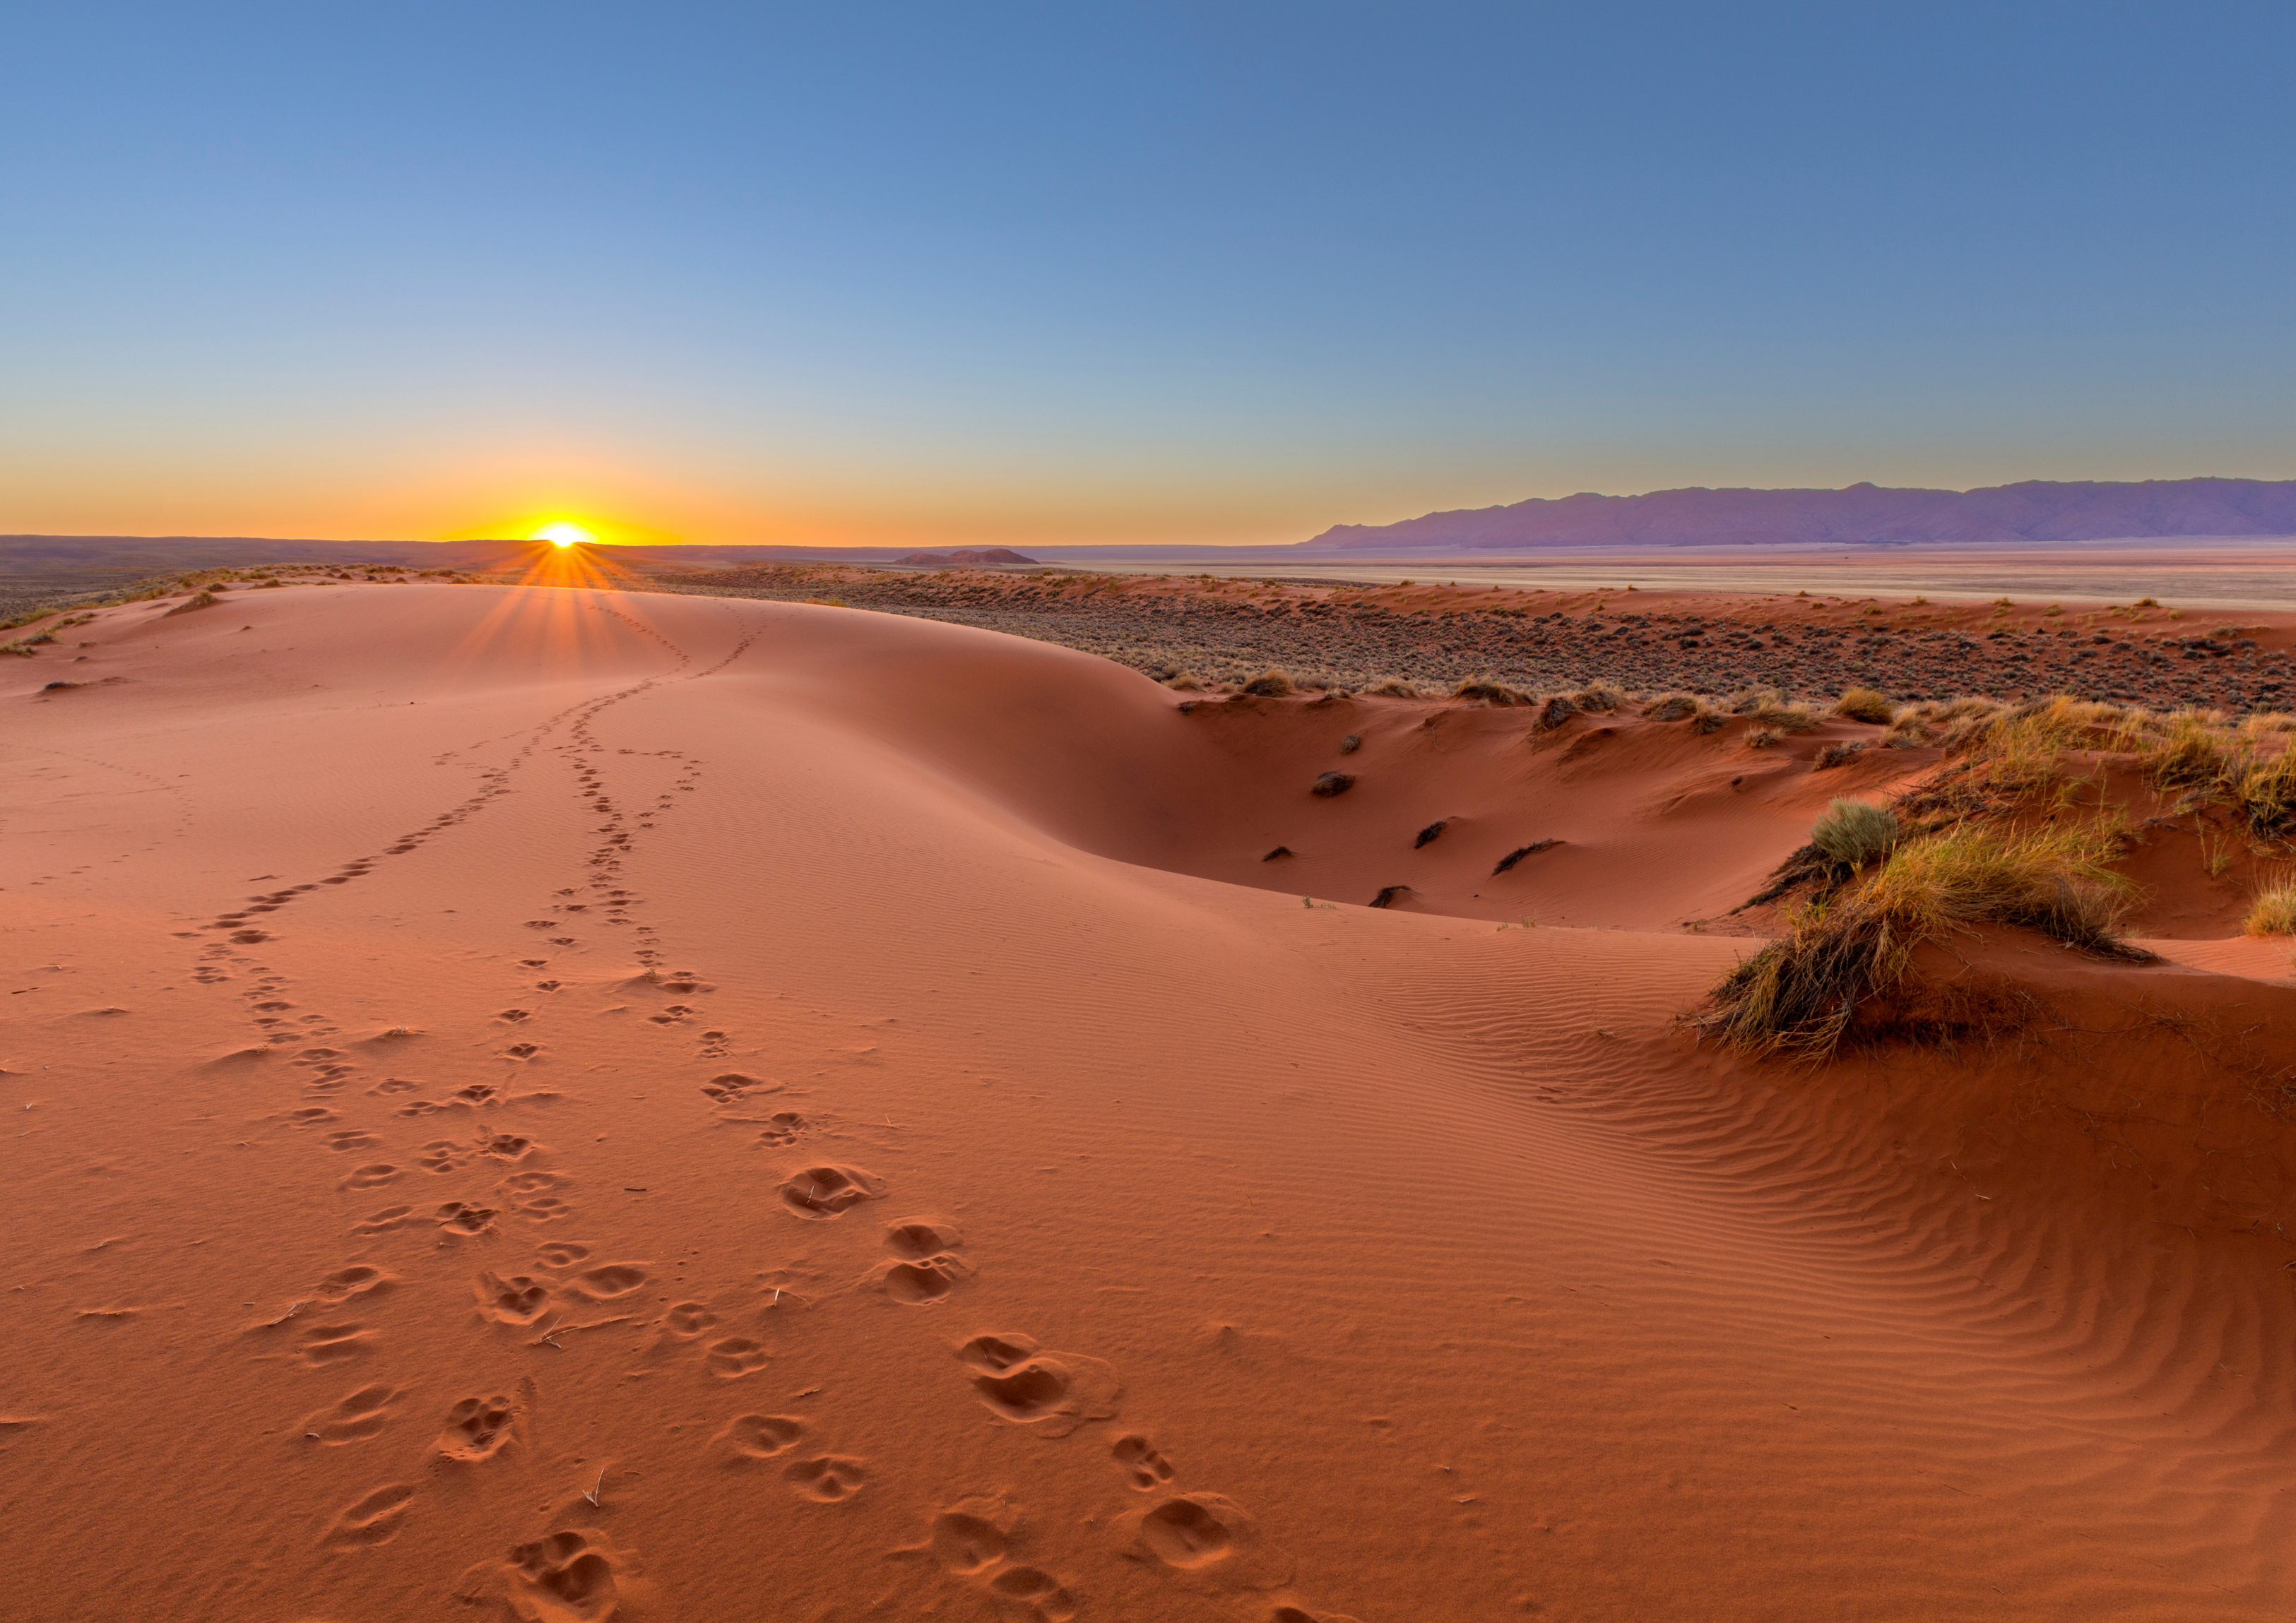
561	1105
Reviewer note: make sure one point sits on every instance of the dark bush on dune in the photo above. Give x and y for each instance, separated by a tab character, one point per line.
1331	783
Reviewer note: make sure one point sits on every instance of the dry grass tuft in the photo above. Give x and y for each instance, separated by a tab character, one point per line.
1864	704
1835	755
1488	690
1762	738
1274	682
2268	794
1672	707
1800	995
1393	687
2274	912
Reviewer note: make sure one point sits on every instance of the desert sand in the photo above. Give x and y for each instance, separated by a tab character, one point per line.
564	1105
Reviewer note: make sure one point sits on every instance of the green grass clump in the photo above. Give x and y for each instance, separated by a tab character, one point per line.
1854	834
1798	995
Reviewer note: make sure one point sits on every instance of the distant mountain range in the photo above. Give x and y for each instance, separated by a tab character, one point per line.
1863	515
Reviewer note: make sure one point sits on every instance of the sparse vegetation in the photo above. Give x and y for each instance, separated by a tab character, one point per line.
1800	995
1854	834
2274	911
1274	682
1864	704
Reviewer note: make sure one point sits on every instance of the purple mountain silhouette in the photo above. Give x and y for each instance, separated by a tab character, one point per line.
1861	515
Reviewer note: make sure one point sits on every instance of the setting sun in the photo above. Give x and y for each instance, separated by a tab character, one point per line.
562	533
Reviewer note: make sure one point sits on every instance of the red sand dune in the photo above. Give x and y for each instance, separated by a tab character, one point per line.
656	1108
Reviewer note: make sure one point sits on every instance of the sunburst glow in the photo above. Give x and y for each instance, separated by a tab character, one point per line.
561	532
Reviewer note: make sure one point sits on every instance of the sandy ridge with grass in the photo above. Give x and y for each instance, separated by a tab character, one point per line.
570	1106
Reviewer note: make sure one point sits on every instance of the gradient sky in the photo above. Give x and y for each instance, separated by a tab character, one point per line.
874	272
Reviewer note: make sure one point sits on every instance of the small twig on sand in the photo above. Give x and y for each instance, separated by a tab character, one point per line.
593	1495
293	1310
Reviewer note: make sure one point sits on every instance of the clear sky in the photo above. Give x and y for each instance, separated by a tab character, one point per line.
864	272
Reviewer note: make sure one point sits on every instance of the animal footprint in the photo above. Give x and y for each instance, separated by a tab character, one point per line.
565	1577
1052	1393
818	1194
441	1155
462	1217
477	1429
349	1139
1034	1594
757	1437
354	1419
921	1237
603	1284
1298	1614
733	1087
371	1521
1207	1539
966	1543
562	1254
828	1479
325	1344
736	1357
389	1218
519	1300
373	1175
1148	1468
358	1280
781	1129
687	1320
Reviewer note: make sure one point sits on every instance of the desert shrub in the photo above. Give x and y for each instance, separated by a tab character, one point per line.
1671	706
1863	704
1600	698
1854	834
1330	783
1834	755
1761	738
1707	721
829	603
1393	687
2274	911
1184	681
1490	690
1556	709
1799	995
1274	682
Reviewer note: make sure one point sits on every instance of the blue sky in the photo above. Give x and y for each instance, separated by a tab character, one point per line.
894	272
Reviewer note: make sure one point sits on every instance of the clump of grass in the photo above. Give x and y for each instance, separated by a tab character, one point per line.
1853	833
1800	995
1600	698
1274	682
829	603
1864	704
2191	758
1761	738
2268	795
2274	911
1672	707
1835	755
1393	687
1185	681
1788	718
1490	690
